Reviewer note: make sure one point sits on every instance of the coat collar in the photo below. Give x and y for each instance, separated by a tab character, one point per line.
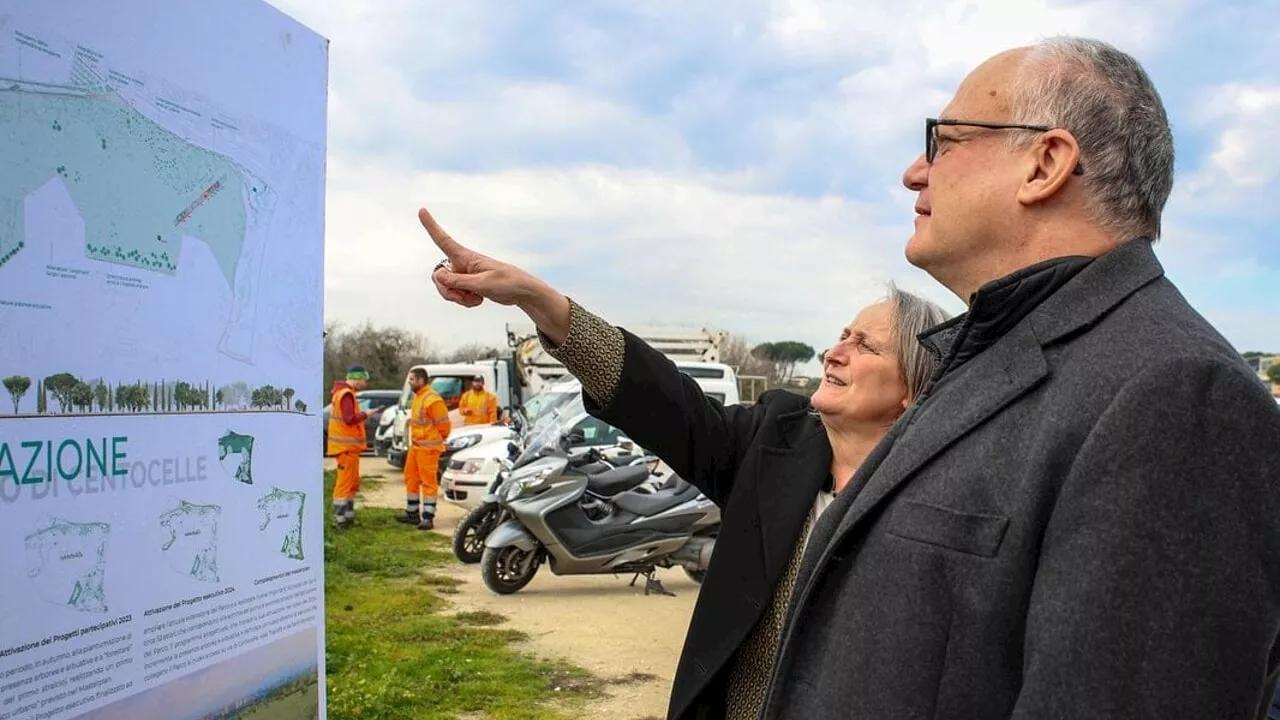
1096	290
790	476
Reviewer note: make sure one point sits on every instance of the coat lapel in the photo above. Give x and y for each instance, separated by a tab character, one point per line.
982	388
789	478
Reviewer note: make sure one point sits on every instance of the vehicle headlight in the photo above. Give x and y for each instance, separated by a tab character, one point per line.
462	443
528	481
473	466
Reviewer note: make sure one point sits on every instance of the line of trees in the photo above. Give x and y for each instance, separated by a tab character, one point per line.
71	394
387	353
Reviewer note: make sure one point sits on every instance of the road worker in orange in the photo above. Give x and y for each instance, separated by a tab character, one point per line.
429	427
477	405
346	442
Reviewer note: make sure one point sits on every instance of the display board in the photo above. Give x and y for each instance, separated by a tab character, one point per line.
161	328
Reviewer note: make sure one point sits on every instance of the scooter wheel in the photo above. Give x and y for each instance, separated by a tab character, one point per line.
468	537
696	575
506	570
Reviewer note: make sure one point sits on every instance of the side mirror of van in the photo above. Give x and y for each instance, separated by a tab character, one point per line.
626	444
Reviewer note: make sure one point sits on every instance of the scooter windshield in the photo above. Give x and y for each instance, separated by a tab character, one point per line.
546	433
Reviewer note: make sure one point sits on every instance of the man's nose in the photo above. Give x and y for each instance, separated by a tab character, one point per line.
916	177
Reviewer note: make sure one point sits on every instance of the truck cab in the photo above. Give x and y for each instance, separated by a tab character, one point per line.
450	380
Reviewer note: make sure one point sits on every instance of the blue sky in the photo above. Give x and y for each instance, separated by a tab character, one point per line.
737	164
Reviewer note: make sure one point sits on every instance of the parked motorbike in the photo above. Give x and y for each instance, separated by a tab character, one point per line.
583	517
475	526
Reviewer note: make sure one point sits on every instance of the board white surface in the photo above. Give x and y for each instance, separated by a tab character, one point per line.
161	320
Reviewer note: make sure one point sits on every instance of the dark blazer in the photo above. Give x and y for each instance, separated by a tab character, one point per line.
762	464
1081	521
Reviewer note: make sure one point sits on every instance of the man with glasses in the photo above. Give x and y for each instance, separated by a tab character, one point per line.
1080	517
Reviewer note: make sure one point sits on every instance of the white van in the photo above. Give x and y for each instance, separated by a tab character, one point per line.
471	470
716	379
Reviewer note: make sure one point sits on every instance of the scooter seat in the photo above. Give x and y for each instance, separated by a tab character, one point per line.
612	482
621	460
650	504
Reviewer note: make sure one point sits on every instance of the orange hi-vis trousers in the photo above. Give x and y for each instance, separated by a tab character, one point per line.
347	485
420	486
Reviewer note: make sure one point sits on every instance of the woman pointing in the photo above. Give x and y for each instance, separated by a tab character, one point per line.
772	467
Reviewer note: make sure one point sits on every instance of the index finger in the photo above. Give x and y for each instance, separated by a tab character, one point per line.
447	245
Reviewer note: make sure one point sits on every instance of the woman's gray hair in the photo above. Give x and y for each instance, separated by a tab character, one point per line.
912	315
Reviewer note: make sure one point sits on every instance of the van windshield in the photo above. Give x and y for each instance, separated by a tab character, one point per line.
449	387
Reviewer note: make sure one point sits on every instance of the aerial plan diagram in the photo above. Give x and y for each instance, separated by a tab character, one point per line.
119	186
282	521
192	544
66	562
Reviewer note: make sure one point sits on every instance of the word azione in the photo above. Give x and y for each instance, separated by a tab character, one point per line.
32	462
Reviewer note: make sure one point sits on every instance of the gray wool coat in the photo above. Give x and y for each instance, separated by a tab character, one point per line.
1083	522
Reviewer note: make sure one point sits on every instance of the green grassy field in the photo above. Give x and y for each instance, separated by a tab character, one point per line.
302	702
395	650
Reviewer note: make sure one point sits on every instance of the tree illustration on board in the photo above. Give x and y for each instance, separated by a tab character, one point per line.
102	396
82	396
61	386
17	385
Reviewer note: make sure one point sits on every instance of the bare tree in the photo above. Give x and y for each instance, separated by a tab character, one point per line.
471	352
386	352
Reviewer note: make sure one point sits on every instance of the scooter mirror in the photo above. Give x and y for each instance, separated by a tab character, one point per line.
574	437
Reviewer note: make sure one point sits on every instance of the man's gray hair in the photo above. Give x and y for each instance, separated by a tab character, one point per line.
1105	99
913	315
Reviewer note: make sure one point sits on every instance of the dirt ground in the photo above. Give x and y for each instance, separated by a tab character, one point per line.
599	623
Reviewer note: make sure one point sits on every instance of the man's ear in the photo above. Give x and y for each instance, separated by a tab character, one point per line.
1050	164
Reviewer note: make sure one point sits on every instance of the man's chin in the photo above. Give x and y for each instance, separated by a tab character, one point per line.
916	250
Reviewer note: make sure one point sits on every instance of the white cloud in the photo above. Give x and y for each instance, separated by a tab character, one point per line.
641	248
1240	164
668	161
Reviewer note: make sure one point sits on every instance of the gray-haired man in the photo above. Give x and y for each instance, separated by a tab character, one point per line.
1080	517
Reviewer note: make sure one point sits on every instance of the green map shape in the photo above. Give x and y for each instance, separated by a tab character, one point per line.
241	447
67	563
192	547
133	181
282	513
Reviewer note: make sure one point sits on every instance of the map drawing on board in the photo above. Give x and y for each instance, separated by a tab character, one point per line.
192	547
282	520
66	562
149	167
235	454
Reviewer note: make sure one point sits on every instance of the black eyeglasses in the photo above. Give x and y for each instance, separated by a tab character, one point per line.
931	136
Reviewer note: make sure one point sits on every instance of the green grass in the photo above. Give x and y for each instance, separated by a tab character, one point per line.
393	652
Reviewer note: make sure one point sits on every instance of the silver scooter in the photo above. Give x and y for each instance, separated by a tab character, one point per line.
470	533
584	517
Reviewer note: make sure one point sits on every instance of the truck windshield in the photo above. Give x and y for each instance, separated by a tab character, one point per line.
449	387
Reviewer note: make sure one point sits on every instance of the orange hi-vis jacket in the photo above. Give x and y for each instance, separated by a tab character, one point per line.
478	407
343	437
429	424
